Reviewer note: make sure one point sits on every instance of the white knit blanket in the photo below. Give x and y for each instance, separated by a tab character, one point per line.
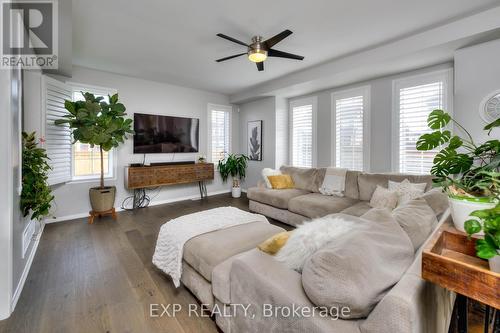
175	233
334	182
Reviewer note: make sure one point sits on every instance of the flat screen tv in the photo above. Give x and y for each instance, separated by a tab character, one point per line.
165	134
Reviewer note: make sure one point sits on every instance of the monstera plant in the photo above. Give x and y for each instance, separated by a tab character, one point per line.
98	123
468	171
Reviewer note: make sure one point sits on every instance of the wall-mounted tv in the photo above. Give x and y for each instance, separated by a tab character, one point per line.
165	134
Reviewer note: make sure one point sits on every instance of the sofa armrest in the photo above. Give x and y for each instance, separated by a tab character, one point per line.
413	305
258	280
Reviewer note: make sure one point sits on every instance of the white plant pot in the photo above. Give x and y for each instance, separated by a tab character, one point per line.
236	192
461	209
495	264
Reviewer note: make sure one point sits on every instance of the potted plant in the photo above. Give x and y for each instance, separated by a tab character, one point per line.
98	123
488	247
467	171
36	195
235	166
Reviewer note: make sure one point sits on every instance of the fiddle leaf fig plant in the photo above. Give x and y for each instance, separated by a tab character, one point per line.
36	195
233	165
98	123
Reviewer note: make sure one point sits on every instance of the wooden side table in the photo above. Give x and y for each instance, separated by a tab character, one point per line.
449	260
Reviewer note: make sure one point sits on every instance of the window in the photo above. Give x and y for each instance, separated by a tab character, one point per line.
350	110
303	132
86	161
415	98
219	131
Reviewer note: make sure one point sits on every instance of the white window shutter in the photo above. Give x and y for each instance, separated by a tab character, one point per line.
415	104
302	135
349	133
57	138
219	131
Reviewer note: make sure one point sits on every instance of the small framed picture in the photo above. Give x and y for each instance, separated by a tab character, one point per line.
254	140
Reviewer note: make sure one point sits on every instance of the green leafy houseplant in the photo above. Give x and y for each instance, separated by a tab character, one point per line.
98	123
462	167
233	165
489	222
36	195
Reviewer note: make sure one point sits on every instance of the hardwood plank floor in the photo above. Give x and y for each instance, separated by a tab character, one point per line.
99	278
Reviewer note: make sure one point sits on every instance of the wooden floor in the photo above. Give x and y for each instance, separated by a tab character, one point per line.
99	278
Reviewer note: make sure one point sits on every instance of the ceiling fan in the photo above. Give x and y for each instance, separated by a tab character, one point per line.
259	50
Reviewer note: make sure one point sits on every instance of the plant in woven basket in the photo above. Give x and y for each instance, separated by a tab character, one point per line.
36	195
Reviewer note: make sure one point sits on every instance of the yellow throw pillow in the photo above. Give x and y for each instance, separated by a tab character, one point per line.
281	182
275	243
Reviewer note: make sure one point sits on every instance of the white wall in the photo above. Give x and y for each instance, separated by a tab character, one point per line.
265	110
380	119
477	75
6	202
71	199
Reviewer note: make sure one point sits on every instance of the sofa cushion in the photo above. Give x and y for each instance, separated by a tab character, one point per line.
275	198
367	182
358	208
206	251
316	205
309	179
437	200
357	269
417	219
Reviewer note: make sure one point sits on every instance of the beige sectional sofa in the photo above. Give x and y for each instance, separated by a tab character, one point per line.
224	269
304	202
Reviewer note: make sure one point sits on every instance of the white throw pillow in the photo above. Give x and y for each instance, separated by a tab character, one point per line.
269	172
384	198
407	191
310	237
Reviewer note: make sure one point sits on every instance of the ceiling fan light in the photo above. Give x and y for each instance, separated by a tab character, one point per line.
257	55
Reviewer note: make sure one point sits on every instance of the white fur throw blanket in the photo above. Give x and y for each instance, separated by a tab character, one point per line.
334	182
176	232
312	236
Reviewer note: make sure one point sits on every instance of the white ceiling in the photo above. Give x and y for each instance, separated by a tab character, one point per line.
175	41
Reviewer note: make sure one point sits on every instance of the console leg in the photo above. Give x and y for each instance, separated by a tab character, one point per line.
462	310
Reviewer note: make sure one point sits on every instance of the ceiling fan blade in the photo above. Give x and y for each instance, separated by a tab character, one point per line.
260	66
278	38
281	54
232	39
230	57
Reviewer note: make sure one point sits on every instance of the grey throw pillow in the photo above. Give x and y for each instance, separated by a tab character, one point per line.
417	219
358	269
384	198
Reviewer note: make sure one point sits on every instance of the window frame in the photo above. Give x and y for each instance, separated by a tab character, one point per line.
444	75
218	107
364	91
112	156
312	100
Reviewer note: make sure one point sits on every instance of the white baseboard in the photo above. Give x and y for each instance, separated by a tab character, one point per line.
153	203
22	281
